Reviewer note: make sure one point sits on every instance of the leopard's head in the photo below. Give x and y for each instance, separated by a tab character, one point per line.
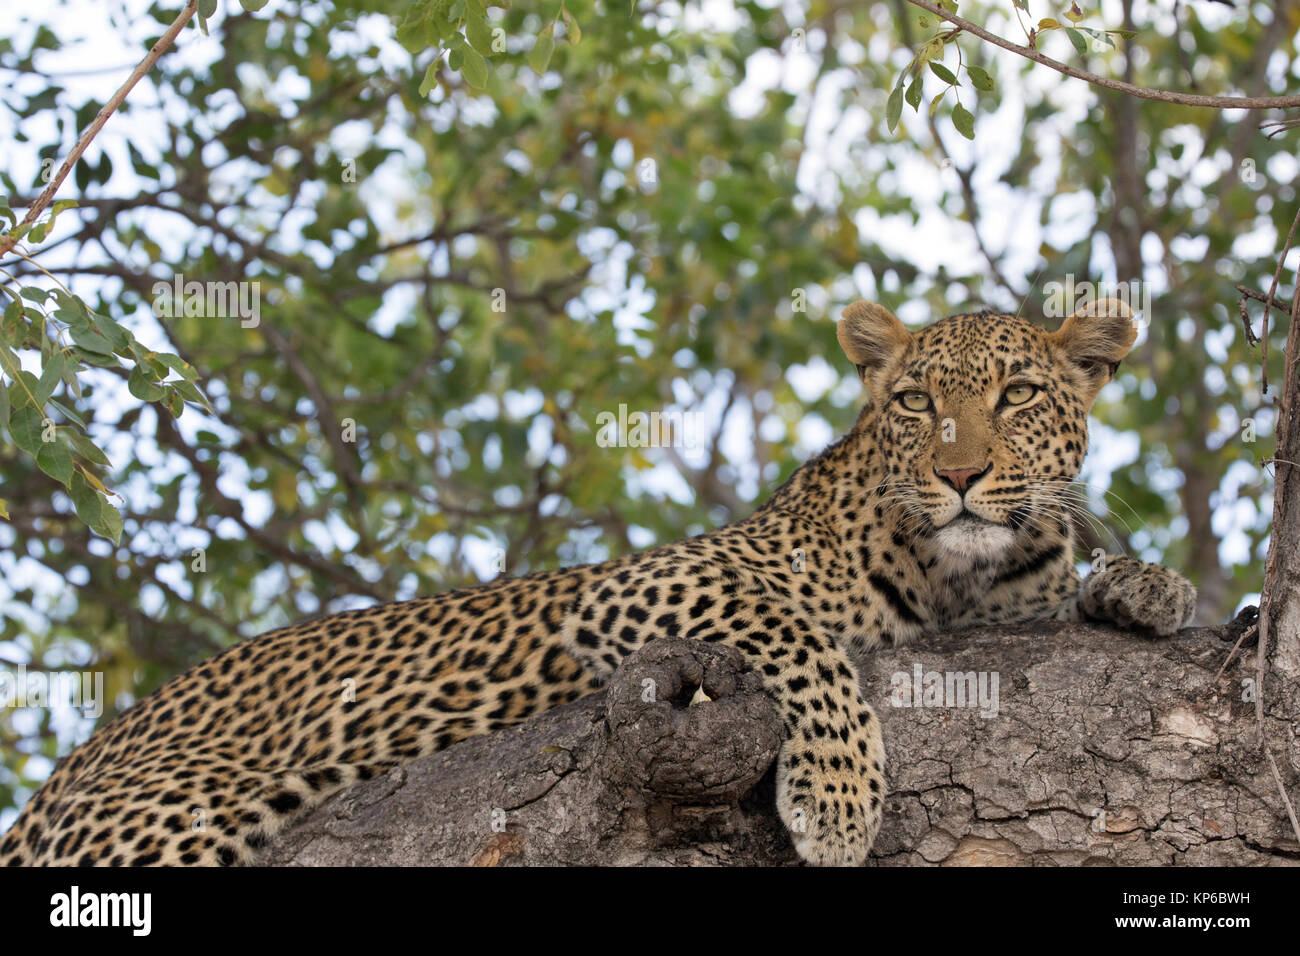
982	420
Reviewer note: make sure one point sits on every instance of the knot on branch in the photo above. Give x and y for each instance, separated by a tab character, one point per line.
666	747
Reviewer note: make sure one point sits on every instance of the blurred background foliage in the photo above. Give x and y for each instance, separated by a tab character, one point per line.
458	271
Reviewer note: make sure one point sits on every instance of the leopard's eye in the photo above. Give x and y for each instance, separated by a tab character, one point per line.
914	401
1019	394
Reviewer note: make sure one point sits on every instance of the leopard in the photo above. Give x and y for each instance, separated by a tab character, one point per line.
946	505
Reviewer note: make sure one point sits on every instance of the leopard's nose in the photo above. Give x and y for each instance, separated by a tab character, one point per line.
960	479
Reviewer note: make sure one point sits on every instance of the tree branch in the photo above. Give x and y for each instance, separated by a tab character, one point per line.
9	240
1104	748
1142	92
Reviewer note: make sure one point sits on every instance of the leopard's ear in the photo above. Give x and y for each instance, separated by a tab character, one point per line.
1097	337
871	337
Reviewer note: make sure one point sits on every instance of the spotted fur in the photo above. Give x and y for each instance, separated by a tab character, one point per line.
946	505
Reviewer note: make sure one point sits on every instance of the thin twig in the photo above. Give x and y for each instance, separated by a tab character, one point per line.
964	177
1261	297
1281	789
1272	128
1233	653
1245	319
1142	92
7	242
1277	274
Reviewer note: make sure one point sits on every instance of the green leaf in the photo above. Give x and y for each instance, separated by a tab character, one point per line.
176	364
540	55
70	379
117	336
68	413
913	95
4	405
479	34
894	108
933	48
51	375
252	6
473	67
25	425
411	33
72	304
85	499
1099	37
980	77
142	387
943	73
13	315
142	166
430	77
110	524
56	461
571	25
90	340
94	510
207	9
1077	39
964	121
97	359
88	449
26	390
191	393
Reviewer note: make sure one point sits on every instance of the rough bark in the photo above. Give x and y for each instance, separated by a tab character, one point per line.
1088	719
1277	664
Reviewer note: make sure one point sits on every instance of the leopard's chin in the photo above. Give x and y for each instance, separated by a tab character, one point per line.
968	537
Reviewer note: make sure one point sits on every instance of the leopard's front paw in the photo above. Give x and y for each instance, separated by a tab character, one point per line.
1142	596
832	815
